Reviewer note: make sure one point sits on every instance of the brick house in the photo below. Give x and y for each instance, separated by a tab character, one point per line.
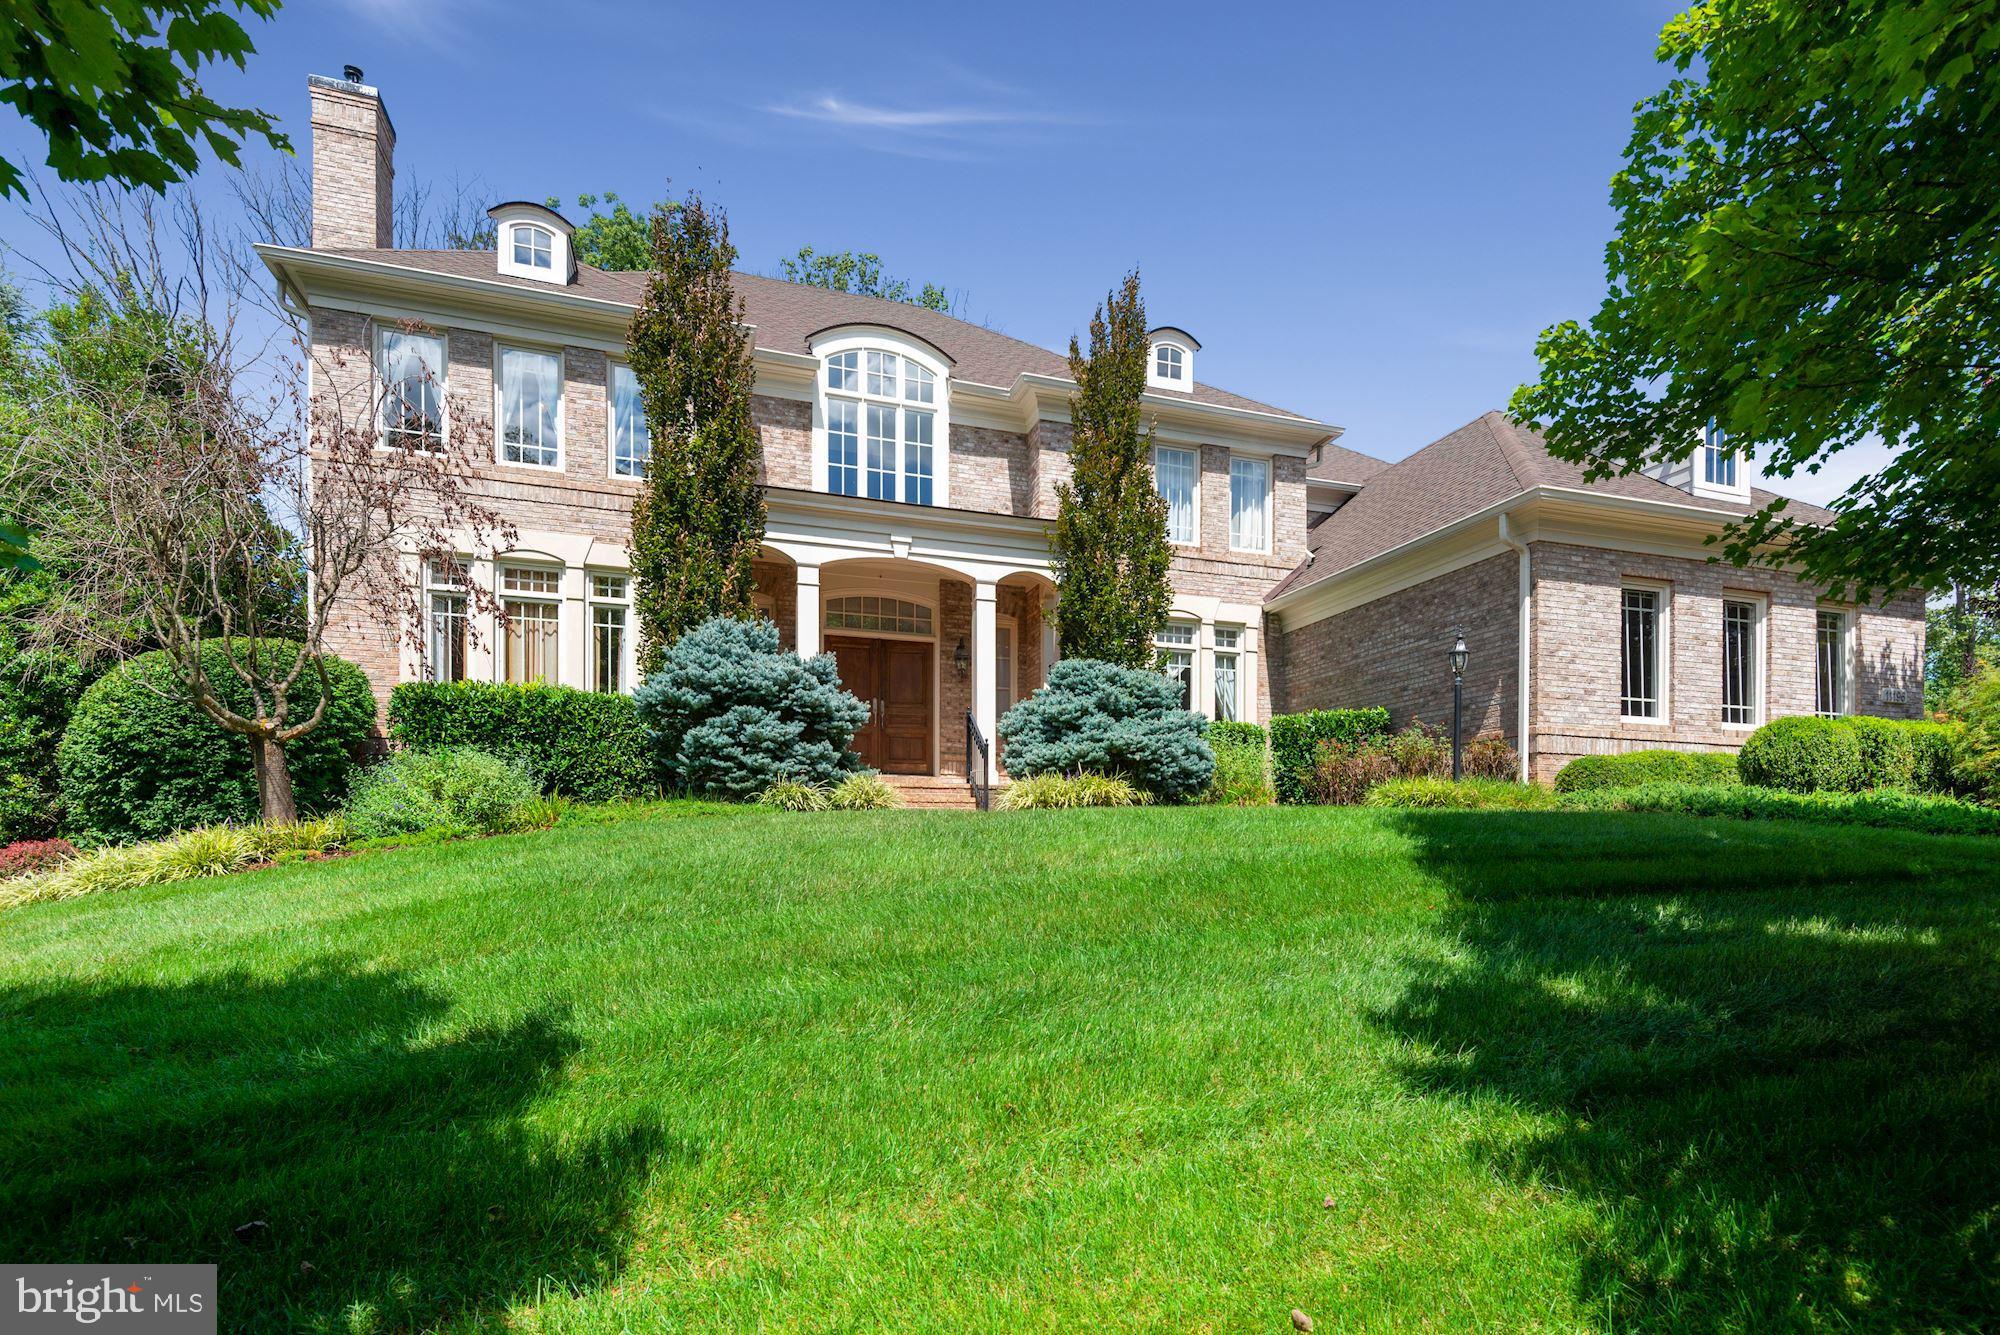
910	465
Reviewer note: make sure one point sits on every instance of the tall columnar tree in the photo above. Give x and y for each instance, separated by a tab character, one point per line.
1110	537
699	521
1808	234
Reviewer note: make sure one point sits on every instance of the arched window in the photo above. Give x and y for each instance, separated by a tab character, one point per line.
884	433
1168	362
899	616
534	247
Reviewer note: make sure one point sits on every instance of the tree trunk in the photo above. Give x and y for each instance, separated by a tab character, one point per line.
274	781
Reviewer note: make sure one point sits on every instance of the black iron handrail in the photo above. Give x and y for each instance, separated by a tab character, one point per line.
975	763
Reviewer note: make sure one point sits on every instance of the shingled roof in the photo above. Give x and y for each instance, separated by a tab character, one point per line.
1488	460
787	315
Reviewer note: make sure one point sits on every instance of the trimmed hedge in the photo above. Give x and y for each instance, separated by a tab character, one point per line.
1296	739
1464	795
1632	768
578	744
138	763
1851	754
1885	808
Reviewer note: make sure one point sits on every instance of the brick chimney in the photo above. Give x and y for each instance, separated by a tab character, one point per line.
353	164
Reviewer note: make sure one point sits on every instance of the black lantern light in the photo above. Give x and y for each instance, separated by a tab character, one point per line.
959	658
1460	656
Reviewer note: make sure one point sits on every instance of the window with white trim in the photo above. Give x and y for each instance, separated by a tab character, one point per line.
898	616
529	599
445	623
631	439
1249	504
1639	654
530	407
1228	679
881	426
1177	473
1740	683
1175	642
1718	460
534	247
1169	362
1003	665
411	367
1831	687
609	620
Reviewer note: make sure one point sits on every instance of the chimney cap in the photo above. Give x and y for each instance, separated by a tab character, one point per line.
351	73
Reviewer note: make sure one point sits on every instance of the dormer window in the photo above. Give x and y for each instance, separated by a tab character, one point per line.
534	247
1718	462
880	429
1171	363
534	242
1718	469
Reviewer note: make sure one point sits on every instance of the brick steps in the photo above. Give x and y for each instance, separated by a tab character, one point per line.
932	792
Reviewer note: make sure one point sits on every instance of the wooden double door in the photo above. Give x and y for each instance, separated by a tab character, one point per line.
893	678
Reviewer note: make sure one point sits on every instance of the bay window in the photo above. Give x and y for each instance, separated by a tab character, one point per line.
411	369
631	440
1249	504
881	426
530	407
1177	473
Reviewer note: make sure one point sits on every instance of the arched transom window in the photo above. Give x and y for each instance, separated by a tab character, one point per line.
881	426
896	615
534	247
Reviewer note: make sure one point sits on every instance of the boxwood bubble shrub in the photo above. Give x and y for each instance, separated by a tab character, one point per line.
1117	721
1803	755
1654	765
139	762
1296	739
581	744
730	714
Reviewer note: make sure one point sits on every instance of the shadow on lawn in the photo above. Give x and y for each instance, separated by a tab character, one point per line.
1770	1056
383	1150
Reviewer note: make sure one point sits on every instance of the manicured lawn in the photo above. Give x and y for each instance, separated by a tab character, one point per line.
1153	1070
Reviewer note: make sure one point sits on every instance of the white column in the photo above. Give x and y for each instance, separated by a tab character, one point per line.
808	611
1246	677
1049	647
985	681
573	630
1203	689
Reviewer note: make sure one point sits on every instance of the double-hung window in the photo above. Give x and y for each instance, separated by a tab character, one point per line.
1177	473
1740	686
1830	694
411	367
881	426
1250	504
1718	461
631	441
529	599
608	622
1228	685
1176	641
530	407
1639	653
444	622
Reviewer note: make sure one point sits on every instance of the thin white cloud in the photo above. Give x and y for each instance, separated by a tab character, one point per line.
835	111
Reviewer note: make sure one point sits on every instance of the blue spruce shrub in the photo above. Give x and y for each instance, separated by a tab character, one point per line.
730	714
1100	718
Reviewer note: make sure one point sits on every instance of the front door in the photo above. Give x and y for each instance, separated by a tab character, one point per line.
893	678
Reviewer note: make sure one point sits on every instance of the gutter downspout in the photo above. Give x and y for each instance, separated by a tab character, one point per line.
1525	620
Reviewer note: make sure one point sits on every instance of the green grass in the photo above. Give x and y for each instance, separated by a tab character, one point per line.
1160	1069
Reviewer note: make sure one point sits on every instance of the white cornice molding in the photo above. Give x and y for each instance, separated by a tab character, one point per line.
403	292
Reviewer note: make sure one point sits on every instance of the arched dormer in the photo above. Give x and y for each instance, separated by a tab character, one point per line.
881	415
534	242
1170	359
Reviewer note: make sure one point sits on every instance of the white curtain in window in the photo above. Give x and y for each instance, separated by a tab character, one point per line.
528	389
632	441
413	381
1249	511
531	642
1175	471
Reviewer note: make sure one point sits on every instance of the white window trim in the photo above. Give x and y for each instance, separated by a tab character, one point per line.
628	654
382	384
934	635
1760	621
433	588
1012	625
1154	380
559	256
1198	688
555	599
1216	650
1698	483
864	339
1849	659
1270	496
1663	647
611	368
562	406
1195	451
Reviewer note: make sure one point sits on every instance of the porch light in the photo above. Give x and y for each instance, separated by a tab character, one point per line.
1459	656
959	658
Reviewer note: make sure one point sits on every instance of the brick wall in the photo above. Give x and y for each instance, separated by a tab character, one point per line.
784	428
990	471
954	687
1576	652
1392	652
353	167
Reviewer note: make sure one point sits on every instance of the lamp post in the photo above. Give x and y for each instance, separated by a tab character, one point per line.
1459	656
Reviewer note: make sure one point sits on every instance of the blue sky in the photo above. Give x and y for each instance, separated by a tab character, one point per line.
1365	212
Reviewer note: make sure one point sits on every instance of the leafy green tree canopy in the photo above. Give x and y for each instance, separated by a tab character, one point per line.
613	237
113	84
1110	536
859	272
1807	249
